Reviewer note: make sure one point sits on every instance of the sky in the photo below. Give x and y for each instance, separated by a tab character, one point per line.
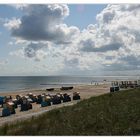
66	39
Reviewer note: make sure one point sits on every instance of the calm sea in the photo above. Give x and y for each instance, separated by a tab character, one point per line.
14	83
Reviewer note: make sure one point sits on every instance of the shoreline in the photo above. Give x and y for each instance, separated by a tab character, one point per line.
44	87
86	91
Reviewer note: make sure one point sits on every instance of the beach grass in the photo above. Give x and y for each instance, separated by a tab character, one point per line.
110	114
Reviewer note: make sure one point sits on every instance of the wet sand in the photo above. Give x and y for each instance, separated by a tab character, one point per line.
86	91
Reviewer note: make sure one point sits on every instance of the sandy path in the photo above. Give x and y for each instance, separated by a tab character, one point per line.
34	112
86	91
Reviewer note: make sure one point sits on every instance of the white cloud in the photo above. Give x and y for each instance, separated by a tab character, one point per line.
43	22
115	37
112	44
33	50
13	24
18	53
40	55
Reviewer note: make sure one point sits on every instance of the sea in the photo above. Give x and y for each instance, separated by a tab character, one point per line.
16	83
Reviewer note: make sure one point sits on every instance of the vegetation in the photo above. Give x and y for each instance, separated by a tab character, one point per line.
111	114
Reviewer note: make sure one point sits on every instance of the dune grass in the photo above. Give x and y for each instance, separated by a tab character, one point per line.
110	114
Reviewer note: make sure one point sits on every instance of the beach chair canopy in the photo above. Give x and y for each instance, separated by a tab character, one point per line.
48	97
14	99
10	103
29	100
26	97
75	93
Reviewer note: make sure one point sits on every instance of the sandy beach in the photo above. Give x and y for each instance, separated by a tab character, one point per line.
86	91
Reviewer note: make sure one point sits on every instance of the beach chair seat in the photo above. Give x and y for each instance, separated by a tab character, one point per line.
66	98
44	104
114	89
19	99
1	100
76	96
11	106
34	99
56	100
6	112
39	99
24	107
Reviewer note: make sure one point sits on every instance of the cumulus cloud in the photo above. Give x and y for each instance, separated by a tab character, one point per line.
44	22
116	36
18	53
89	46
123	62
35	51
113	43
31	49
12	24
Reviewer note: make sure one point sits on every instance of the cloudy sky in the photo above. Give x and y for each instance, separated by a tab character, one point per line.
63	39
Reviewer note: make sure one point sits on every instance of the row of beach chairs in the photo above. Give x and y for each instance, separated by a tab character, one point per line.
26	102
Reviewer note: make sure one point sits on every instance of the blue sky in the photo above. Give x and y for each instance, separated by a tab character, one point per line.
94	39
83	15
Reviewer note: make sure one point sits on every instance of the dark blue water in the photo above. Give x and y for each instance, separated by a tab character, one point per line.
15	83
